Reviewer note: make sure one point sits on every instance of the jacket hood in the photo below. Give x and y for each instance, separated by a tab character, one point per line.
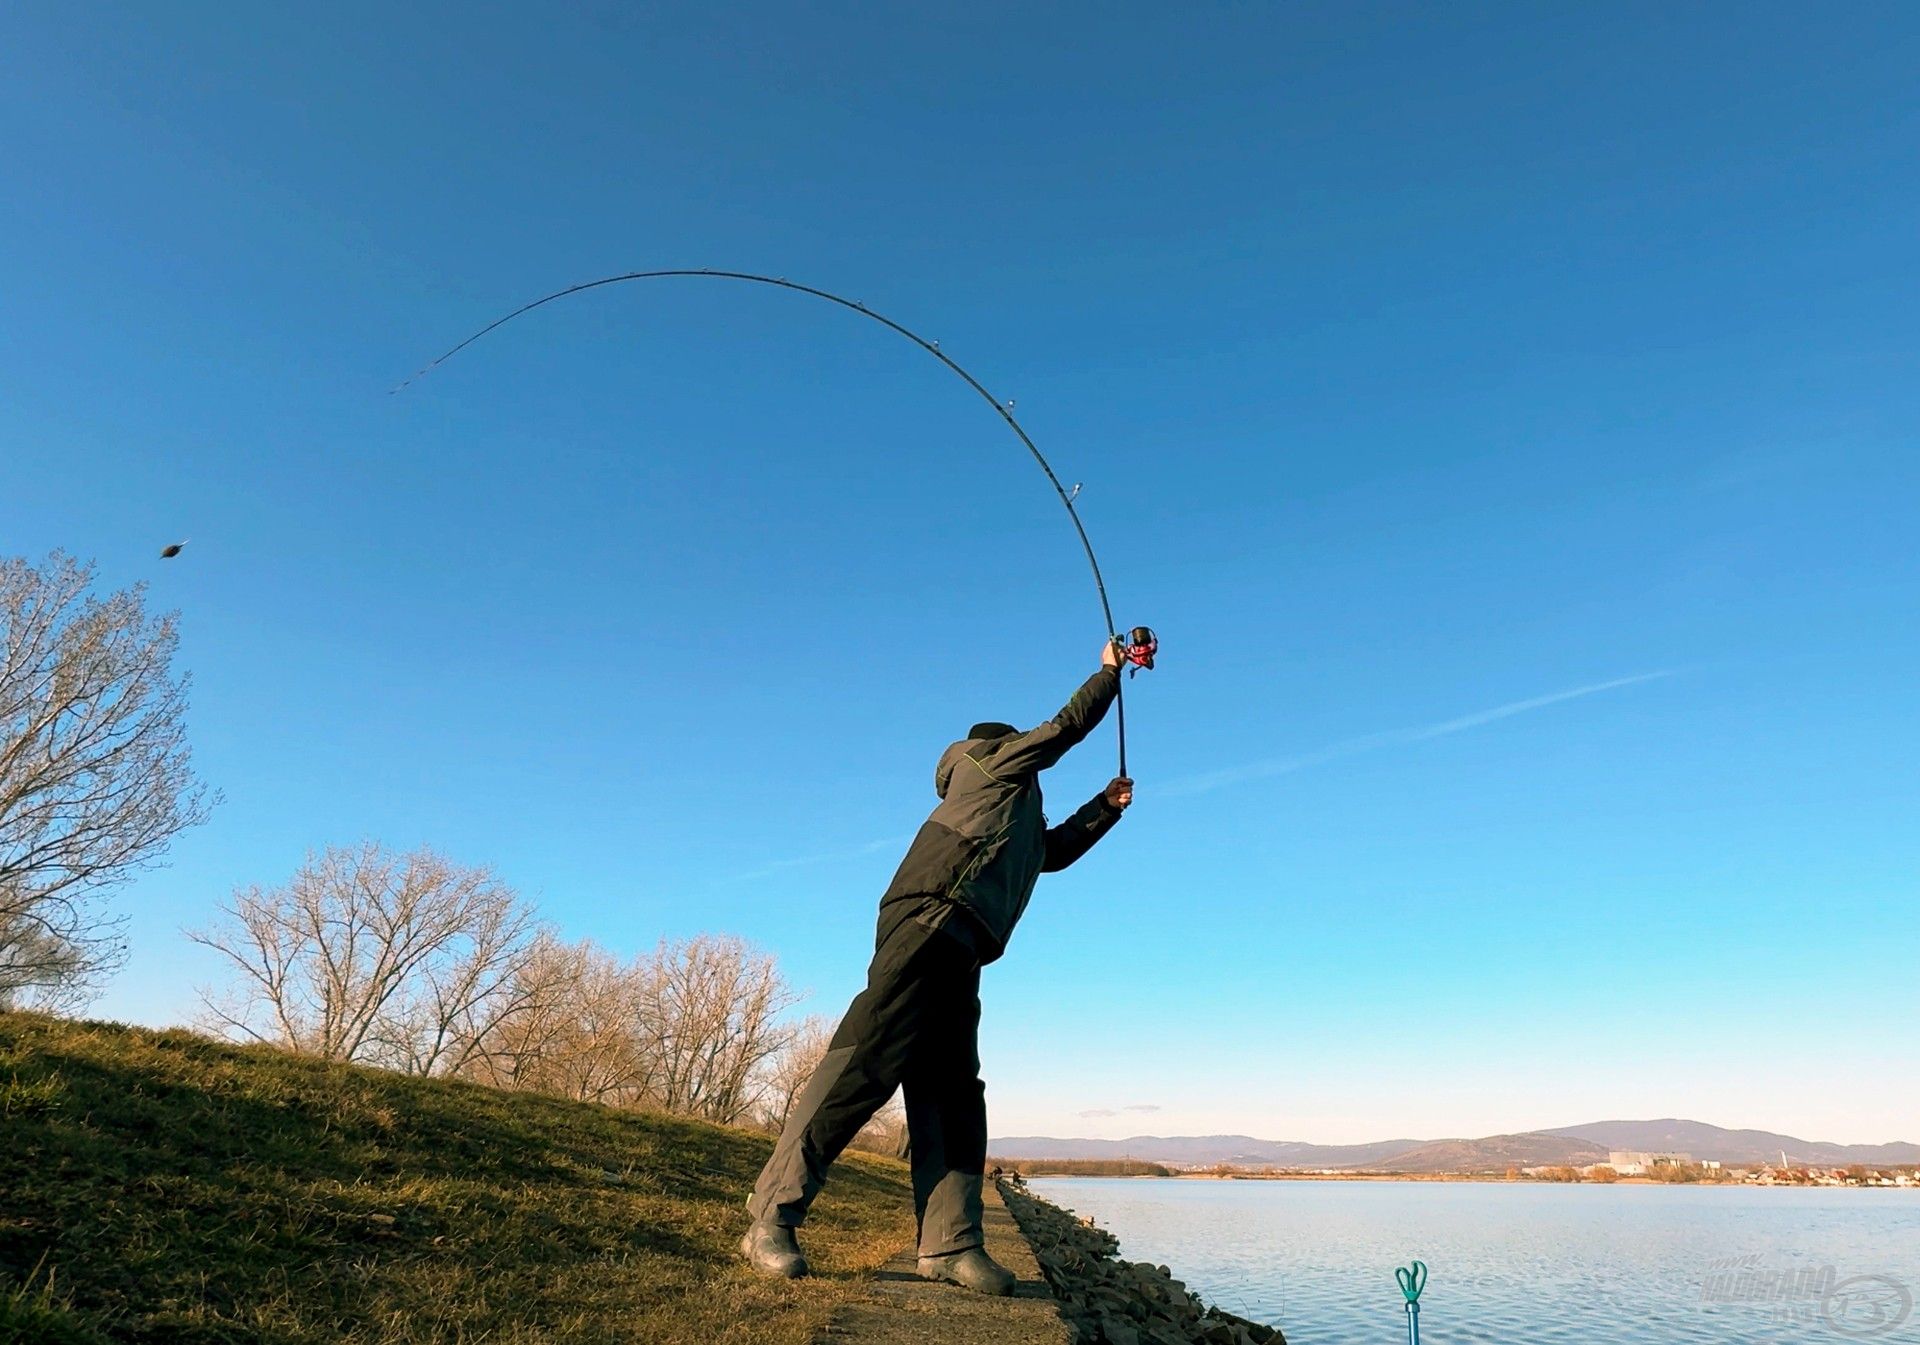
943	773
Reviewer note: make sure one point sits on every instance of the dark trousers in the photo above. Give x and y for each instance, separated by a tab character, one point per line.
916	1026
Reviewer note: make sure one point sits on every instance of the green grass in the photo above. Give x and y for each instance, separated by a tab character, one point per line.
163	1187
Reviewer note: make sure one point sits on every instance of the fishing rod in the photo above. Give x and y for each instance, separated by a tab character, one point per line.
1137	647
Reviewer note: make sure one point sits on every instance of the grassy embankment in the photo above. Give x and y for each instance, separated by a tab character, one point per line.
166	1187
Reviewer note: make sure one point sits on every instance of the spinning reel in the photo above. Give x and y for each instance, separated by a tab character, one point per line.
1138	647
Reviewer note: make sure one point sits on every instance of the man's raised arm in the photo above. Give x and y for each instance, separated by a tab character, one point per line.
1037	749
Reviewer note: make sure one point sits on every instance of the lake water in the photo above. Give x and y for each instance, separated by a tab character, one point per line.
1528	1263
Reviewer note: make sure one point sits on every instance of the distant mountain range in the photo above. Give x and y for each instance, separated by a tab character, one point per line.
1571	1146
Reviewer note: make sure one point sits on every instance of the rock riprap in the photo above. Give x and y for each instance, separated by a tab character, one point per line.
1108	1301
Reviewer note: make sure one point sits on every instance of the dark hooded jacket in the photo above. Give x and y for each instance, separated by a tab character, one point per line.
987	843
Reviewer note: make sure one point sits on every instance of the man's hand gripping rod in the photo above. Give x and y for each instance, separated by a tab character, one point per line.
1135	650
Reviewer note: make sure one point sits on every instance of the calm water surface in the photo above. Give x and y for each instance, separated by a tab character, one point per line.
1528	1263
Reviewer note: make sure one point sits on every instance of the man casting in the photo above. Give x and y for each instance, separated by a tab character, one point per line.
949	911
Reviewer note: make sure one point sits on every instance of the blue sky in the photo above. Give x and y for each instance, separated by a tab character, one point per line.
1505	413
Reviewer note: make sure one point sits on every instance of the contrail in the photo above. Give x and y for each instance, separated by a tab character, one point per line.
1260	770
827	857
1440	730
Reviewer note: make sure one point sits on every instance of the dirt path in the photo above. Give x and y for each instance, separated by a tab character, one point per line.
903	1309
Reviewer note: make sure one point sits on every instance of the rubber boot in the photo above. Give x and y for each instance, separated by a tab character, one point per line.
971	1269
772	1249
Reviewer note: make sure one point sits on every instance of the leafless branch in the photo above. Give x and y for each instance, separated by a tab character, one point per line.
408	961
95	777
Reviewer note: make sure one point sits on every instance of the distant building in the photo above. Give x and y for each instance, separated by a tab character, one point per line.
1633	1163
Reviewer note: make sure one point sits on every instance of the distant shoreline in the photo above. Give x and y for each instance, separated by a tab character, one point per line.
1486	1178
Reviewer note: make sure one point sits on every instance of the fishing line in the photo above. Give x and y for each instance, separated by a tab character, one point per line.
1138	647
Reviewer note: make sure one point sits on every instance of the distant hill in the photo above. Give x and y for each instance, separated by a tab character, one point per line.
1497	1153
1741	1147
1568	1146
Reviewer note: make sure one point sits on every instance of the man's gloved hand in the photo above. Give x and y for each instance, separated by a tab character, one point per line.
1120	792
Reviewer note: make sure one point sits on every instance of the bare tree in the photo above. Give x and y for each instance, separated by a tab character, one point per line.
46	971
792	1066
420	965
95	777
789	1070
691	1027
518	1052
886	1132
718	1003
408	961
581	1031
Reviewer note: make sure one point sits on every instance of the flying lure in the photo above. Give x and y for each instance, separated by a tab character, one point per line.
1137	647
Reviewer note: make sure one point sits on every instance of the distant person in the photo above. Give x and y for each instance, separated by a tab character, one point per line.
949	911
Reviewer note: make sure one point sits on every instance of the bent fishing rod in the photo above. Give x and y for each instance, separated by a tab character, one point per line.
1137	648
